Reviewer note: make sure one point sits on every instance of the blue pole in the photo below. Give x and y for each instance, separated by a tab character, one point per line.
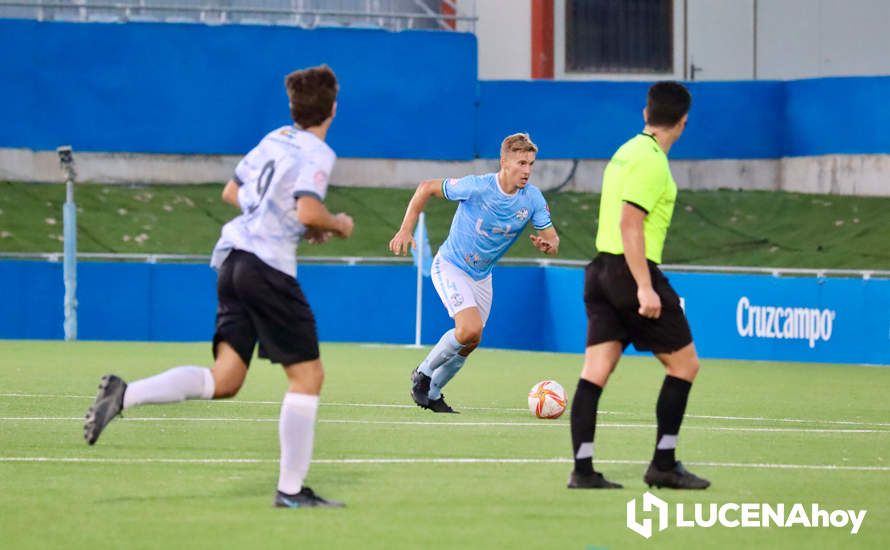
70	270
418	312
69	219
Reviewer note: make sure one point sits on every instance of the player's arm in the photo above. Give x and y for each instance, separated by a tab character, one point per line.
634	242
403	241
312	213
546	240
230	194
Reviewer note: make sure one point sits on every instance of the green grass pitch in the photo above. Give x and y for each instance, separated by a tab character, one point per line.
202	474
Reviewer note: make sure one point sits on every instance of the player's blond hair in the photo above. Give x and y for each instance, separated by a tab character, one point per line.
518	143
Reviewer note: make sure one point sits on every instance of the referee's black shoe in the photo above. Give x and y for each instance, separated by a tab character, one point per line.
596	480
108	404
420	388
676	478
440	406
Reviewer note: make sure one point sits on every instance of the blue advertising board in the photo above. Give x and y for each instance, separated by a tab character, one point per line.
813	319
535	308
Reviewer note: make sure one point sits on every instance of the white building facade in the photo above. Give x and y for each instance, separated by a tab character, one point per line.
703	39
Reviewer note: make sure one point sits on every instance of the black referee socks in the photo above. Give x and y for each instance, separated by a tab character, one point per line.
670	410
583	421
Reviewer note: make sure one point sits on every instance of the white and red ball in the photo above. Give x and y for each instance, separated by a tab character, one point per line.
547	399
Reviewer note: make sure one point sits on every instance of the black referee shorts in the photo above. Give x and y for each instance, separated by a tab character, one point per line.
610	296
258	302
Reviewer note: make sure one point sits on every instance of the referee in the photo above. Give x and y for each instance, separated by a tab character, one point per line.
629	300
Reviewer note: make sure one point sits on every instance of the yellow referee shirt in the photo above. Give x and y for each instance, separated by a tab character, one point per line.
637	173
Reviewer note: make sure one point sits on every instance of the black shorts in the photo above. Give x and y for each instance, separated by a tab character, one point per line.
610	296
258	302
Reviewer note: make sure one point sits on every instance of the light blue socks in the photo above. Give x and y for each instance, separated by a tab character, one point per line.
444	374
445	349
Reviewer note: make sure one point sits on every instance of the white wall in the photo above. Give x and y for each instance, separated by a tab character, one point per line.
814	38
504	31
728	39
720	39
834	174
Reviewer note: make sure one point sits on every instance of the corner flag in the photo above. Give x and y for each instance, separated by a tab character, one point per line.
423	261
423	255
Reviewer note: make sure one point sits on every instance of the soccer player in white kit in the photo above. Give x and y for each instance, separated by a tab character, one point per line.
279	186
493	211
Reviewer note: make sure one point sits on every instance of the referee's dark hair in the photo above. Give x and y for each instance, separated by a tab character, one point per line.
666	103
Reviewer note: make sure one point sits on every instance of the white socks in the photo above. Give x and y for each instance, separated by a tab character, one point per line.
177	384
296	430
296	427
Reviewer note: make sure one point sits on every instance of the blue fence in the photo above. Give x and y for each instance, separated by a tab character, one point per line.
837	116
592	119
188	88
161	88
538	309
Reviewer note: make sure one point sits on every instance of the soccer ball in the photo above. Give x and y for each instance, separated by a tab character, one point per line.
547	399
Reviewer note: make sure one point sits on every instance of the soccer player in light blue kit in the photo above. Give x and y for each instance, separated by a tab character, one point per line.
493	211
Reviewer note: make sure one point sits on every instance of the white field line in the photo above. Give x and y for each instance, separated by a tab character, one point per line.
48	395
278	403
535	424
755	466
503	409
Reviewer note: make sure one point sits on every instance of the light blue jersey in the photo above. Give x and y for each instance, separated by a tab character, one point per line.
488	221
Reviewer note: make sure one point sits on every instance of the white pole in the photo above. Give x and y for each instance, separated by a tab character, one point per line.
69	221
418	313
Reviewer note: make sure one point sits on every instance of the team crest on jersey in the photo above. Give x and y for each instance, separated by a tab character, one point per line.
456	299
522	214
